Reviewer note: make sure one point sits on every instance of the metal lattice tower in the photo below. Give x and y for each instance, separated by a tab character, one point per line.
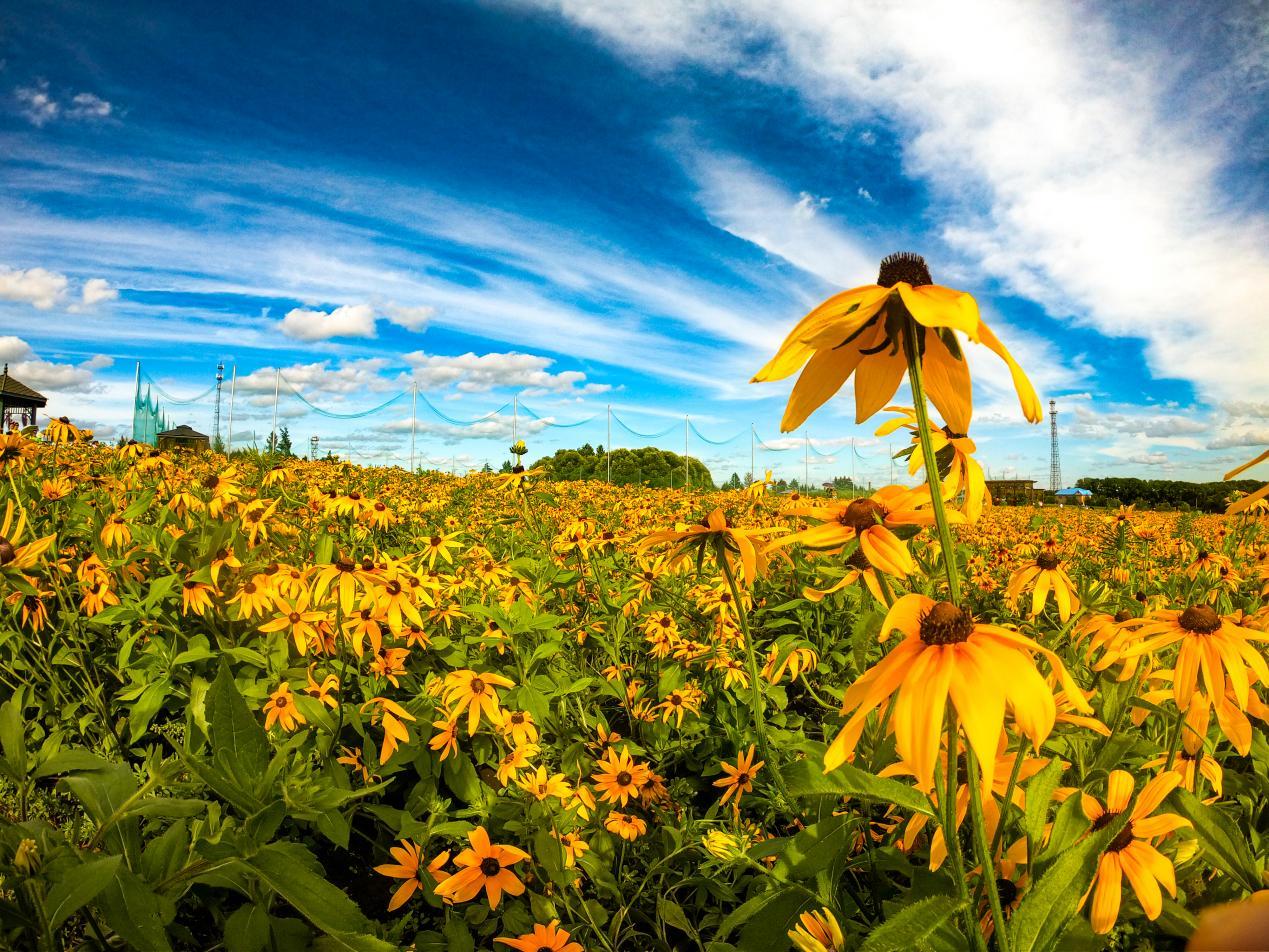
220	380
1055	461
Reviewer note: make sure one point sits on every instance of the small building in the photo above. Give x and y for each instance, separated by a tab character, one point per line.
183	438
18	403
1014	492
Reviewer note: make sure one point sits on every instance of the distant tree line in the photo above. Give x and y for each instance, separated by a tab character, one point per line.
647	465
1170	493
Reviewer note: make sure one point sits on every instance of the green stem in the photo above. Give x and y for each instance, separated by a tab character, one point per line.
985	855
947	810
755	684
1177	726
1013	782
915	379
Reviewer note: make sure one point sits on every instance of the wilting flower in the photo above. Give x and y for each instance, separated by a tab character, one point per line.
1132	853
61	430
954	459
572	845
391	715
625	825
867	329
409	866
716	534
484	866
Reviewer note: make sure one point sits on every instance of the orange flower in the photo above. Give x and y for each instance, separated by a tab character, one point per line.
739	779
280	708
484	866
544	938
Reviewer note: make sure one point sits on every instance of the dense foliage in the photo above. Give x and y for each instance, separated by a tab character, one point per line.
259	706
1174	493
647	466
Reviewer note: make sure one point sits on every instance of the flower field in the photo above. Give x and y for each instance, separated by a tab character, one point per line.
258	704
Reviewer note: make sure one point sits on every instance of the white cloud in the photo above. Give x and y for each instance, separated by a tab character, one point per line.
52	377
349	378
1057	163
97	290
807	205
478	373
349	320
865	195
40	107
37	105
88	106
35	286
411	318
13	348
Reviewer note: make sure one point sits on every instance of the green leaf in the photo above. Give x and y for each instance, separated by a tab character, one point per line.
1039	791
768	928
751	907
285	868
235	732
132	910
671	913
13	739
805	779
812	849
247	929
1223	843
1043	914
910	926
458	936
65	761
78	887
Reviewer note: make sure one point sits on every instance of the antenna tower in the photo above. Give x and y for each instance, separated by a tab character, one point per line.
220	380
1055	462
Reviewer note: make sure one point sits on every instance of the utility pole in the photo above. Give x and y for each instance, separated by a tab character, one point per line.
515	418
233	385
136	401
890	447
753	472
414	422
277	386
608	445
687	426
220	381
1055	463
806	463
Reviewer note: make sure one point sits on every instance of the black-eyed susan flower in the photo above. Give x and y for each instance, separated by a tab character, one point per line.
1046	574
864	332
738	778
484	866
947	655
1211	646
619	776
626	825
544	938
716	534
1132	853
871	521
818	931
280	709
14	556
409	867
476	693
391	717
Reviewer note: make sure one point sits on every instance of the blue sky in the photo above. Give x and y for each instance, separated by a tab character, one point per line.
589	204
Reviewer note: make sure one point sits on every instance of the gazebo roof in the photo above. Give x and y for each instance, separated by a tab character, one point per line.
183	432
14	393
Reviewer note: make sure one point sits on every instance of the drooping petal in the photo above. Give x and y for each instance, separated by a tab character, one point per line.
1106	894
876	381
1143	884
1031	408
947	383
936	306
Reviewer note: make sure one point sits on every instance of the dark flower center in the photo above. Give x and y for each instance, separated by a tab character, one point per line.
293	618
861	514
477	686
858	560
1202	556
1123	615
7	552
1200	619
1048	561
946	624
624	778
903	266
742	778
490	866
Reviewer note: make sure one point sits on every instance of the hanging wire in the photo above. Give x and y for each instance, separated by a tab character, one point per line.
772	449
701	436
341	416
558	426
154	384
457	422
644	436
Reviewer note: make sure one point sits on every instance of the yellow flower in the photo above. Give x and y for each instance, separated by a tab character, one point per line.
17	557
281	709
739	779
619	777
391	715
61	430
1046	572
484	866
476	693
818	932
625	825
544	938
1132	853
866	329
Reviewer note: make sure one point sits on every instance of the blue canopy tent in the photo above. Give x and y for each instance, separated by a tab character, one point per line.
1080	494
